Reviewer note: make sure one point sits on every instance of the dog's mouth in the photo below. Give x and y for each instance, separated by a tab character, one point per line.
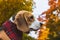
27	32
35	25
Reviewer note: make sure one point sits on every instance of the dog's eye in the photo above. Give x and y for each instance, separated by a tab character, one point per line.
31	17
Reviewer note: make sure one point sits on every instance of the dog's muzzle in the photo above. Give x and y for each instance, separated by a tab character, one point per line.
35	25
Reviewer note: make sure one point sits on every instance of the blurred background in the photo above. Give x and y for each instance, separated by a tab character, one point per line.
39	8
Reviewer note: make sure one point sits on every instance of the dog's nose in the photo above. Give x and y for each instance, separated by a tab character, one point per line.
41	24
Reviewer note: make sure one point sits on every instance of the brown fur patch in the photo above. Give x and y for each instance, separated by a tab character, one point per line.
22	20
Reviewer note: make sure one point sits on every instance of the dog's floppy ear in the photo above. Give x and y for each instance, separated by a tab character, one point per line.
25	15
19	19
29	17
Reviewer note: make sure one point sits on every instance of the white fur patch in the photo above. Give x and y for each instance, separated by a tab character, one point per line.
11	19
35	25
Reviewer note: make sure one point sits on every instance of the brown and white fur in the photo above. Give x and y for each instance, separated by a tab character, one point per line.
24	21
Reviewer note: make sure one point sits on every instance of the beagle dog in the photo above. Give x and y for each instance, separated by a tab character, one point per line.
18	24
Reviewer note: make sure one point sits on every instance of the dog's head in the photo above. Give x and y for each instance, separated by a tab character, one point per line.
26	21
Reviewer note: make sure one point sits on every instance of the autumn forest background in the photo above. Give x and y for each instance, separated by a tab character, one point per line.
51	29
48	31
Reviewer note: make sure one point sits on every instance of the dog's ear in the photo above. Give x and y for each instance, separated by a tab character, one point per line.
19	19
22	17
29	17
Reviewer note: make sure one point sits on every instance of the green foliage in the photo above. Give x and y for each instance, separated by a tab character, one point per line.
54	27
10	7
25	37
51	24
